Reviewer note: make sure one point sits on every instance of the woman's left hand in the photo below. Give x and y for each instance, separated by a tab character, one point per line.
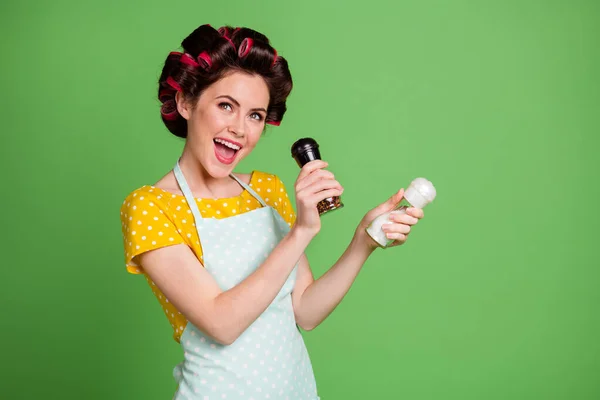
400	224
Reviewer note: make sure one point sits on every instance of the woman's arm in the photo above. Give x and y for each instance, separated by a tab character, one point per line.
226	315
223	315
315	300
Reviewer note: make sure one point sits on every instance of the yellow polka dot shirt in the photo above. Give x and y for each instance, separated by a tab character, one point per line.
152	218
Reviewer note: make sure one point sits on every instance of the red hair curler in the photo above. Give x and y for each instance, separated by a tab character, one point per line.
204	60
274	58
230	41
223	31
165	95
245	47
188	60
274	123
171	82
170	115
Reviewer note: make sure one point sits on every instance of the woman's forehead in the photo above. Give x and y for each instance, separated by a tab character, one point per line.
249	90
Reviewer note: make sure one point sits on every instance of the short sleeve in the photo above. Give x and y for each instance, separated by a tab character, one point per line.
145	226
283	203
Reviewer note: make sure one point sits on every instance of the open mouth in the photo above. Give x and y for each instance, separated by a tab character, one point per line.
226	150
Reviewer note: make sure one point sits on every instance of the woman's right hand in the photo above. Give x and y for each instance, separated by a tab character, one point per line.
313	185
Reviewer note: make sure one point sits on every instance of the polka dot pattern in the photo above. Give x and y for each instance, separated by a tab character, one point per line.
152	218
269	360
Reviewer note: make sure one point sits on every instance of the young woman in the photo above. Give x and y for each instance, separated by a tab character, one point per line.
224	252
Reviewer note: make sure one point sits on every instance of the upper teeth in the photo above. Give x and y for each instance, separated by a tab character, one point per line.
228	144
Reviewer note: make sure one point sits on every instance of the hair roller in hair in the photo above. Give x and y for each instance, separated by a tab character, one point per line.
304	151
245	47
274	58
171	82
223	31
169	111
205	61
165	95
188	60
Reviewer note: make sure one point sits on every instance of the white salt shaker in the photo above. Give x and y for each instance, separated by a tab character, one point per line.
420	193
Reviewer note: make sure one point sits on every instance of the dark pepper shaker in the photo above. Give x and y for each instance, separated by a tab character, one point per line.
305	150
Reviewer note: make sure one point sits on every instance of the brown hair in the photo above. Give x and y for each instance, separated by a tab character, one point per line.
208	55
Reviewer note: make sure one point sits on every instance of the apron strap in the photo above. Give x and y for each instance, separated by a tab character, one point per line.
249	189
188	194
192	201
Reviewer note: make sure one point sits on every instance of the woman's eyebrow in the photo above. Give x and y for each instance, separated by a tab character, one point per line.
234	101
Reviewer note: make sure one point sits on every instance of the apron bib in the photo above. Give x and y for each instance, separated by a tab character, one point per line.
269	360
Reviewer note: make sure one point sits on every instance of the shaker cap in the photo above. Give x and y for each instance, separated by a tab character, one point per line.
420	192
303	145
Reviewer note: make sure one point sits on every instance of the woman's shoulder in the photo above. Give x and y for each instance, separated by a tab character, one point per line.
258	176
145	196
145	192
265	179
272	189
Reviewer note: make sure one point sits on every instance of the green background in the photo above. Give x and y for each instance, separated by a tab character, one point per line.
494	296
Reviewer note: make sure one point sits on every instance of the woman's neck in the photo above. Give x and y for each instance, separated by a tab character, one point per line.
201	183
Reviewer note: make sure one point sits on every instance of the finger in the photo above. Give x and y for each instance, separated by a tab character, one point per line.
323	184
415	212
314	177
395	198
399	237
310	167
325	194
389	204
402	218
396	228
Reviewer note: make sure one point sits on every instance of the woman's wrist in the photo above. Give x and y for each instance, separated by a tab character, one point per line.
363	242
302	235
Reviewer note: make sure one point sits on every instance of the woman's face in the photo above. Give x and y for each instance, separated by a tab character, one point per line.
227	121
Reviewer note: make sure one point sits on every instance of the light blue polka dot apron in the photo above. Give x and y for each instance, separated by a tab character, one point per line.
269	360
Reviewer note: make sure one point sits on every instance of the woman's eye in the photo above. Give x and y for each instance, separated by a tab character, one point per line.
256	116
225	106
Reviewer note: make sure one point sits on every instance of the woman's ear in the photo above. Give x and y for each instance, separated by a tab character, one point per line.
183	106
